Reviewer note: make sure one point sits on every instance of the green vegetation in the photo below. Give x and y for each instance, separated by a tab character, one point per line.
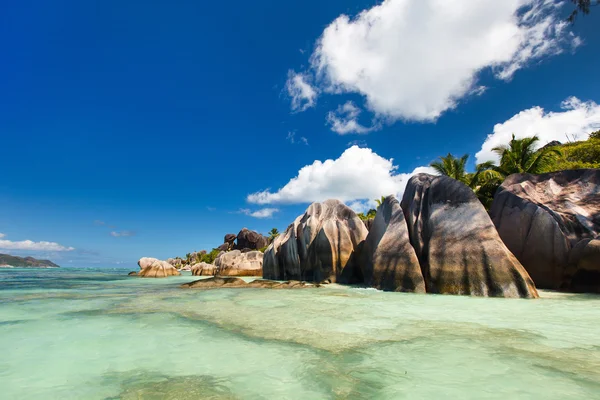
582	6
520	156
263	249
26	262
210	257
273	233
369	215
380	201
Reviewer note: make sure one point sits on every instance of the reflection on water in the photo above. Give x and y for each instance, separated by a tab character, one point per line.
98	334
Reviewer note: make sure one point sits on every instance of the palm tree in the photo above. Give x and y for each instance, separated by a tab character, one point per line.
273	233
452	167
520	156
380	201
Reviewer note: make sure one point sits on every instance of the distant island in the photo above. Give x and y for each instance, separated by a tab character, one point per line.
7	260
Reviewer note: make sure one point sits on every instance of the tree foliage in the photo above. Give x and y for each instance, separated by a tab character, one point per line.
369	215
520	156
583	7
273	233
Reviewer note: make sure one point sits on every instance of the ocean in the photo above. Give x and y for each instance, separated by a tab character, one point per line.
98	334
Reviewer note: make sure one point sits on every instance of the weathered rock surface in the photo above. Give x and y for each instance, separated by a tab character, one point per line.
549	222
218	282
203	269
321	244
458	247
230	238
389	260
133	273
236	263
154	268
253	240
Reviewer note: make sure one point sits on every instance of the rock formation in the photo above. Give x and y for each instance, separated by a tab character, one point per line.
551	222
154	268
456	243
236	263
252	240
203	269
319	245
389	260
217	282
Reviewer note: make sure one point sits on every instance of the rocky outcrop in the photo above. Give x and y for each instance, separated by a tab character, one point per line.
252	240
456	243
236	263
203	269
154	268
321	244
389	260
218	282
551	222
133	273
230	239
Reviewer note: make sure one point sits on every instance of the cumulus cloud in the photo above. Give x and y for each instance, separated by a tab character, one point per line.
576	120
345	120
359	174
31	245
122	233
262	213
301	92
414	60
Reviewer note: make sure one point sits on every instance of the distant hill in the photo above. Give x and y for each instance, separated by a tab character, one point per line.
27	262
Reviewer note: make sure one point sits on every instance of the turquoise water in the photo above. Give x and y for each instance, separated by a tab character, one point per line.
98	334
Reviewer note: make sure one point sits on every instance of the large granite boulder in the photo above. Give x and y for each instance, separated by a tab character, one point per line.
322	244
230	238
203	269
458	247
154	268
389	260
236	263
551	222
253	240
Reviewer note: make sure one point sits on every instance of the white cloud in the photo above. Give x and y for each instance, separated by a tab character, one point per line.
262	213
32	246
2	235
303	95
122	233
304	140
291	137
414	60
345	120
358	174
576	120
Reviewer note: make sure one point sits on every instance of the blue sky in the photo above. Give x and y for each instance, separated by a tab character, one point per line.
135	129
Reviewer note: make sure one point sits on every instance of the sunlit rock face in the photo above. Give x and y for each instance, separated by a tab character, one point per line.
322	244
549	222
154	268
236	263
389	261
458	247
203	269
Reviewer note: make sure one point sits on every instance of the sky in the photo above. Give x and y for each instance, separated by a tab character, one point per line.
154	128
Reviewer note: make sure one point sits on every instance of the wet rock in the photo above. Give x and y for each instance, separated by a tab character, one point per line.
457	245
133	273
219	282
323	243
548	221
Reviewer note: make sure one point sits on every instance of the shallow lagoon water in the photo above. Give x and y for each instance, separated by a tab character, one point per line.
99	334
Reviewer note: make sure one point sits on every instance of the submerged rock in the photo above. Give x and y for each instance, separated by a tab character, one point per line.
321	244
457	245
219	282
389	260
551	222
238	263
133	273
203	269
154	268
